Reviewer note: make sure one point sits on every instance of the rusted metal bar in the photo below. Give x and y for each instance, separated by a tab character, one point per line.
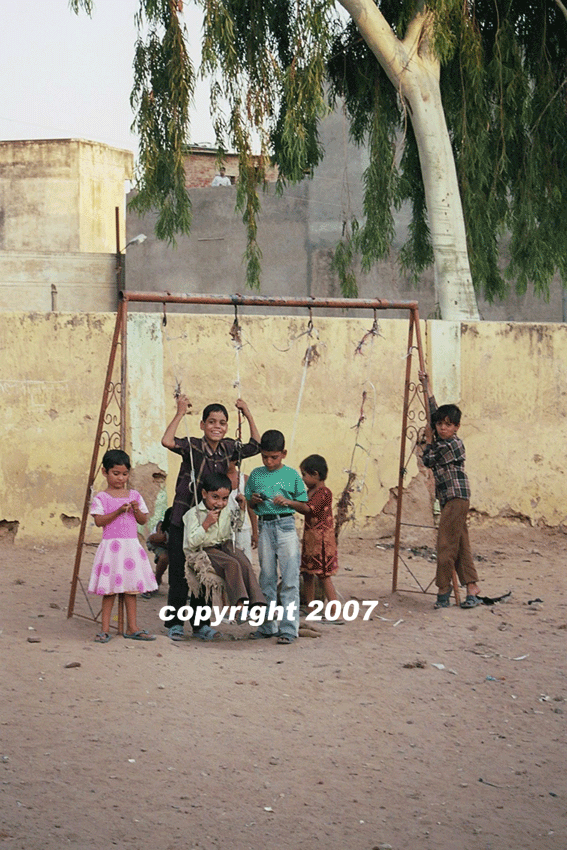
414	319
118	330
267	301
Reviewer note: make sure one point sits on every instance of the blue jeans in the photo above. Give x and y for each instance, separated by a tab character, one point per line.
278	546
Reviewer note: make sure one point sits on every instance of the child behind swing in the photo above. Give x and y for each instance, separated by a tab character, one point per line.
246	536
156	543
208	527
319	546
121	564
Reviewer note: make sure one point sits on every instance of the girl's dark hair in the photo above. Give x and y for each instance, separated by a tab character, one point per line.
215	481
115	457
315	464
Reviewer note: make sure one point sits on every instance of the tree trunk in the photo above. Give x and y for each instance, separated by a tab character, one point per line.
453	282
415	75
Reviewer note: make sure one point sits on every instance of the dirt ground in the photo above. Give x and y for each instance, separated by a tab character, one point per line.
415	729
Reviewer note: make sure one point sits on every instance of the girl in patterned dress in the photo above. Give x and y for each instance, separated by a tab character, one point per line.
121	564
319	549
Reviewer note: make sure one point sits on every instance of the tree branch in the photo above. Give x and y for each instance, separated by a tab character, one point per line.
379	36
562	8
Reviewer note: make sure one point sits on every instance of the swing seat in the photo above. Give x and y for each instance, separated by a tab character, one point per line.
202	579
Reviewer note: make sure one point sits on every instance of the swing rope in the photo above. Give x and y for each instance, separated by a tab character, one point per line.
176	394
310	356
346	509
236	515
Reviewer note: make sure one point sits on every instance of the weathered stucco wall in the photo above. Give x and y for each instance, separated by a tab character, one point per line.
508	377
53	368
515	428
202	356
41	281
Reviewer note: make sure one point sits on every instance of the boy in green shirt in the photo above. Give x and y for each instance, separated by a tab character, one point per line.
275	491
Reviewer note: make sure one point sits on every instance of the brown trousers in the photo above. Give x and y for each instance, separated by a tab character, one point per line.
233	566
453	546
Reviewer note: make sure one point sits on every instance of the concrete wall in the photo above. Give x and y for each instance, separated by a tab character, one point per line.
58	201
509	379
210	259
60	195
297	234
53	368
42	281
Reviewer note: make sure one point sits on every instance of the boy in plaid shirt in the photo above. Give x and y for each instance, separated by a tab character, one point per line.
444	453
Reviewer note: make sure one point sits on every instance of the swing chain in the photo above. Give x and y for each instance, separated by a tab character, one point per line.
310	322
238	440
373	332
235	330
362	415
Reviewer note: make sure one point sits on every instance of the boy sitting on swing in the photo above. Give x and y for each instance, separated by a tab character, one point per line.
199	456
209	528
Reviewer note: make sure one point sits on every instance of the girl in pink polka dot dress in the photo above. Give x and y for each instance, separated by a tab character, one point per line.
121	564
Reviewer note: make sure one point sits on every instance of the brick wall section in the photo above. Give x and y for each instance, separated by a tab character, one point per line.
201	165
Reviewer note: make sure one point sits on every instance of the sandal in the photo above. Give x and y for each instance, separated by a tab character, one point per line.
285	640
207	633
259	636
176	633
443	600
141	635
102	637
470	602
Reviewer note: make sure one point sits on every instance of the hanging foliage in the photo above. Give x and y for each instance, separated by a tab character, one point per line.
504	92
281	64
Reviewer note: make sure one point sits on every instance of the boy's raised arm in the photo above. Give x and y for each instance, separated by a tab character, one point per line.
243	407
183	405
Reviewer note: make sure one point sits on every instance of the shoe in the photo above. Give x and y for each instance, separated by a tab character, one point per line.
470	602
102	637
207	633
259	636
443	600
142	634
176	633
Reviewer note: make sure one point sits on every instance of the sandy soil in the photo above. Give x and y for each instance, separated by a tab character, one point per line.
358	738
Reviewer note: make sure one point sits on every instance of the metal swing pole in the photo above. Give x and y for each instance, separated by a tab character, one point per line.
109	392
402	467
267	301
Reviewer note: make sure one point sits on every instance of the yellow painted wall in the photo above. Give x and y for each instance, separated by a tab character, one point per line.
510	384
201	354
514	398
53	368
61	195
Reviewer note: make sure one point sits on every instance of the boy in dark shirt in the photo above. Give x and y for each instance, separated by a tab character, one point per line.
444	453
200	456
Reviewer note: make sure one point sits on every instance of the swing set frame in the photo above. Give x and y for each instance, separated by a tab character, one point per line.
111	427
